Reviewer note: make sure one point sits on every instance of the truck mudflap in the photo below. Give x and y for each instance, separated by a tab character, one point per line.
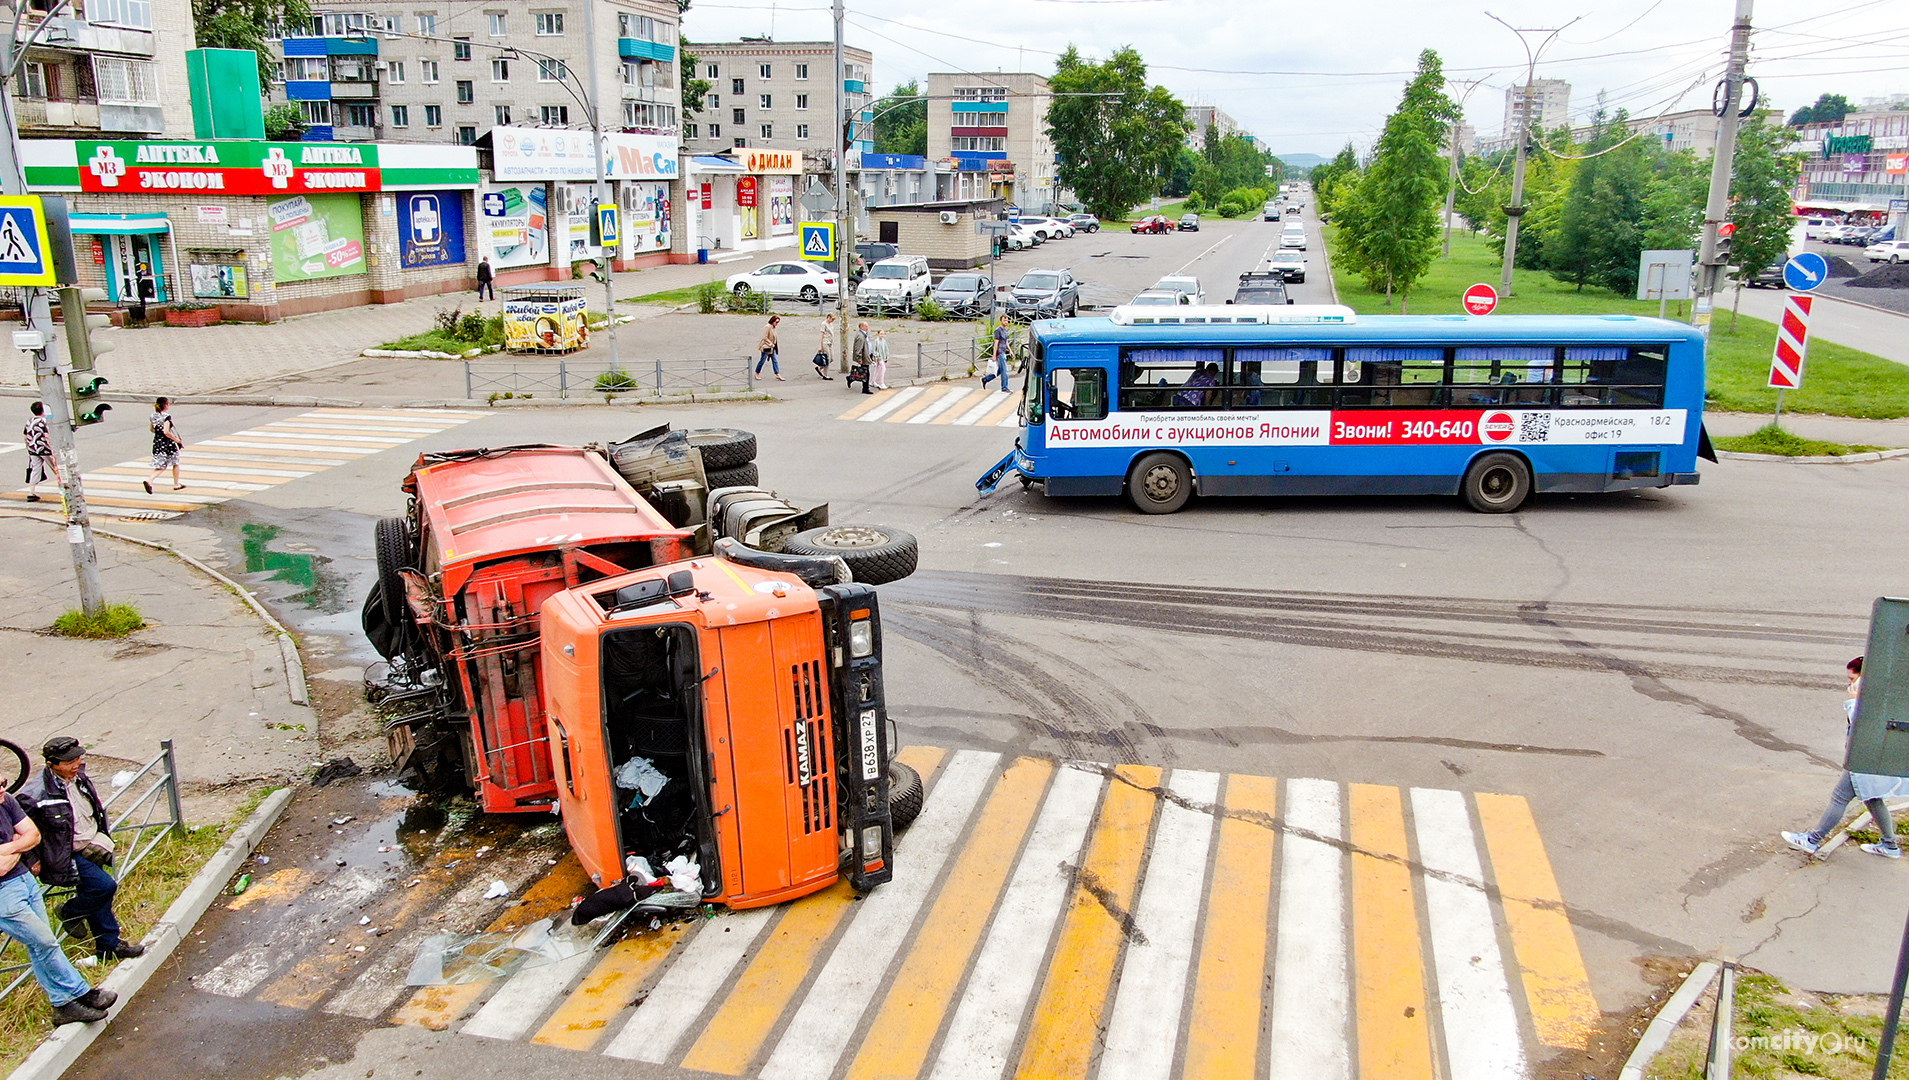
993	477
1704	449
852	622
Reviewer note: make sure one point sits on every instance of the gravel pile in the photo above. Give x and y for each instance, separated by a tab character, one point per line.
1840	267
1887	276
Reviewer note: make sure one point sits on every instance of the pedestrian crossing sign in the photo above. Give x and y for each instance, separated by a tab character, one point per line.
818	240
24	250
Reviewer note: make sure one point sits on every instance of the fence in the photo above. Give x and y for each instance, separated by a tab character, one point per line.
566	378
956	358
136	831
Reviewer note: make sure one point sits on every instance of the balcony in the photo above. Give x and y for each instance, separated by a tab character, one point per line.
329	46
76	35
640	49
357	90
38	114
854	86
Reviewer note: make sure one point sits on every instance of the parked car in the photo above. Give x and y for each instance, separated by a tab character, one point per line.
1290	265
1084	222
1818	228
874	251
896	284
1189	223
1891	251
1049	228
1020	236
1261	287
1158	298
1185	284
967	294
800	280
1152	223
1770	277
1045	294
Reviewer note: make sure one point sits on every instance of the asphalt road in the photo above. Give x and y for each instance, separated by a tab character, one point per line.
1655	674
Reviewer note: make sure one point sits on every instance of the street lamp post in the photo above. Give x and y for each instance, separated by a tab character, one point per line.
1516	210
598	190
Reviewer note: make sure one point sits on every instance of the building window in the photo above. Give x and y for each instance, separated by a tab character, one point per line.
764	69
735	86
985	119
316	112
361	115
689	131
427	70
802	101
980	93
135	13
427	24
556	115
502	114
735	115
768	131
647	29
763	101
549	23
461	49
278	72
466	93
500	71
39	80
466	134
125	82
353	69
715	131
713	102
307	69
394	71
802	71
802	131
400	116
551	71
710	71
434	116
394	26
969	143
500	23
648	114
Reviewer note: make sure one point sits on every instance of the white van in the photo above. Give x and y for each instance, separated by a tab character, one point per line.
1820	228
1293	238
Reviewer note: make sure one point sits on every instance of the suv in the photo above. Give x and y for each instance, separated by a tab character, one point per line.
1189	223
897	283
1045	294
1290	265
1084	222
1261	287
1047	228
1184	284
874	251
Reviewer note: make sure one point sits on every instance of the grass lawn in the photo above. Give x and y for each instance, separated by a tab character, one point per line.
431	340
1782	1033
1770	439
667	296
1840	381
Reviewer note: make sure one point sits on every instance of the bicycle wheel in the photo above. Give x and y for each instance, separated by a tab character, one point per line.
14	767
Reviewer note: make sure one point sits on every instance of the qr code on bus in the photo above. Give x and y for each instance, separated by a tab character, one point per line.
1534	427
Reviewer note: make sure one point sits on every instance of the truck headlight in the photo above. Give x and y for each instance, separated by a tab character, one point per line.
861	639
871	843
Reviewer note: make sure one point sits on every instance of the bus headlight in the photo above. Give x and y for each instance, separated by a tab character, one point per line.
871	843
861	639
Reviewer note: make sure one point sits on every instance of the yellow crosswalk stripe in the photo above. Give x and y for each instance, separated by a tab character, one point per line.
879	398
1064	1032
903	414
999	413
580	1022
1388	971
1223	1038
1557	987
924	988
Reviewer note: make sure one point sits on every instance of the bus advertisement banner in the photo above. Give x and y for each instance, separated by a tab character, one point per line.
1377	427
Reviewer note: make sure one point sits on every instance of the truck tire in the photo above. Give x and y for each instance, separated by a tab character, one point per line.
904	795
743	475
723	448
393	543
875	554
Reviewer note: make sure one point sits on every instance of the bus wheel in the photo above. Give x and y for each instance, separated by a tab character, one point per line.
1497	483
1159	484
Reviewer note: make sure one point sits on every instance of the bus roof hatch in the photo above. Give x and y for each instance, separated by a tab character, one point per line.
1223	314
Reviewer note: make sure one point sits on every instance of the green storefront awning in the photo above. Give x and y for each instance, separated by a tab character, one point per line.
120	224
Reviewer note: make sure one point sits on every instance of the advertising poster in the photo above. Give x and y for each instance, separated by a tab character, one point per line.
546	324
781	205
430	228
215	281
514	226
316	236
577	197
646	214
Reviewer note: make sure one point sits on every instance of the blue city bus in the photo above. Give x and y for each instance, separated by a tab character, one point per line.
1161	403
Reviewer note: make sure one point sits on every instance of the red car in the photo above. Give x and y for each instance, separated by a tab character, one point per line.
1152	224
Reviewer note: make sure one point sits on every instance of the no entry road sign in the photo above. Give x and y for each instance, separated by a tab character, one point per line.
1481	299
1792	343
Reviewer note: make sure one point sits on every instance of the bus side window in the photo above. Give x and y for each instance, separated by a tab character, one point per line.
1078	394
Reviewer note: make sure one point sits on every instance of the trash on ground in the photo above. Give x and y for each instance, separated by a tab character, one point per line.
685	876
244	883
122	778
261	859
336	769
341	820
497	890
454	959
640	775
364	920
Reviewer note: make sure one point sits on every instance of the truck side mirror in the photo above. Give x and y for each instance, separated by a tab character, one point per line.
682	583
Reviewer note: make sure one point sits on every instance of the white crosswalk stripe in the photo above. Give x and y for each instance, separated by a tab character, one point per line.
1309	988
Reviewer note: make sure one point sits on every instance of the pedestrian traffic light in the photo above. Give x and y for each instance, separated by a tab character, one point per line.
85	340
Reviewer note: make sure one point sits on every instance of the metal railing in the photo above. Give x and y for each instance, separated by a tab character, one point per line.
568	378
152	792
955	358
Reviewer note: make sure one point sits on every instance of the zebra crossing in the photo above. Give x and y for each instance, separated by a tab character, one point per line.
1052	919
964	405
236	465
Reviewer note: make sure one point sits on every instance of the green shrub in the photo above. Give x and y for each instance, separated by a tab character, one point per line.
113	620
1195	203
708	295
1232	208
748	303
471	327
931	310
615	381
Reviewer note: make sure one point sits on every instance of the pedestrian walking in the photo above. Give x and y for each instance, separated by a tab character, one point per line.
1872	789
146	288
860	356
484	277
1001	339
166	444
23	918
40	464
76	846
826	346
768	350
878	353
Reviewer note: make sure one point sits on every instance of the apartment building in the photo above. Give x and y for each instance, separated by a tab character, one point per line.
1691	129
1206	118
110	69
428	71
778	95
992	126
1547	105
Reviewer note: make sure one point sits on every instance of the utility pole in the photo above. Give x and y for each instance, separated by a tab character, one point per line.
38	309
844	206
1451	179
600	190
1517	208
1722	162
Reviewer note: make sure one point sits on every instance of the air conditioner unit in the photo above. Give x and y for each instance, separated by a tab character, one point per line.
949	217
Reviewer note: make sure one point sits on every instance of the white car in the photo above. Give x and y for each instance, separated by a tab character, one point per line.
1019	236
1158	298
900	282
1290	265
1186	285
1048	228
800	280
1890	251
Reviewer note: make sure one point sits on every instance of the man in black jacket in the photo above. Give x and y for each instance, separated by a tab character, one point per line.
76	845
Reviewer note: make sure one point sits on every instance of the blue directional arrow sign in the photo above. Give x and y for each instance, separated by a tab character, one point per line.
1806	271
24	249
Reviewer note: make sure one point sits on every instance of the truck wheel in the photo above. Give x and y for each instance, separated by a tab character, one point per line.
904	795
1497	483
393	542
743	475
723	448
1159	484
875	554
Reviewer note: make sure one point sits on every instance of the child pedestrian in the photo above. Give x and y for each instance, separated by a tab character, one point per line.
1870	788
826	347
40	464
878	357
769	351
165	445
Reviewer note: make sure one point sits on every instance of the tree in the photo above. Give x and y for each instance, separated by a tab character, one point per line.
284	122
1393	230
1828	109
1600	229
901	120
1116	138
1179	181
1232	163
692	88
1761	206
247	24
1674	202
1328	178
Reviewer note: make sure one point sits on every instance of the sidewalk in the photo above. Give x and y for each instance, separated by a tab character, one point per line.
205	673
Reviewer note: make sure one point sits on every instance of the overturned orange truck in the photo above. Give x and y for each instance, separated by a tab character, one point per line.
696	674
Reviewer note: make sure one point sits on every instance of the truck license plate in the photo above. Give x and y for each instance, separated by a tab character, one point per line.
871	754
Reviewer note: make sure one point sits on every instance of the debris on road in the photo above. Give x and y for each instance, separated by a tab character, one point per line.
336	769
497	891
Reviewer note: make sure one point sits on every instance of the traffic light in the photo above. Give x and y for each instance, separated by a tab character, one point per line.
1725	233
84	342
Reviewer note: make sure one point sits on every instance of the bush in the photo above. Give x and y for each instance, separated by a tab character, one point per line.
615	381
749	303
1195	203
471	327
931	310
708	296
113	621
1230	207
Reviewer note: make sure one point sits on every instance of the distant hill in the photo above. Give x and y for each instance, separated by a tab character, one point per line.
1300	163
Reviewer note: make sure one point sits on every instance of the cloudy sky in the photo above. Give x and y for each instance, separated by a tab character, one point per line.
1308	77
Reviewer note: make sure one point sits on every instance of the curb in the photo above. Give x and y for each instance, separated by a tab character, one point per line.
1658	1032
294	402
62	1048
1819	459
